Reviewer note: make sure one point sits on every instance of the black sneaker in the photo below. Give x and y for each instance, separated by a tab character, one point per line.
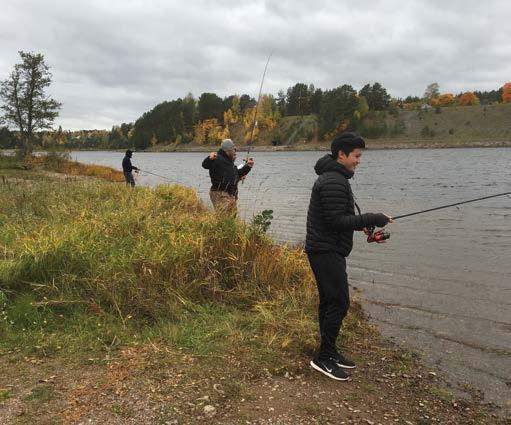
330	369
342	361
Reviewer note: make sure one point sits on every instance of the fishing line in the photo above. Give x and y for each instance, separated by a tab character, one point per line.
157	175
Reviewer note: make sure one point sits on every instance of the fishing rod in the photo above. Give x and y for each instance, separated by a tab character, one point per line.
382	235
254	125
157	175
450	205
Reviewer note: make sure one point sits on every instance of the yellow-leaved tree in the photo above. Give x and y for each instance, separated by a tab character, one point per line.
232	115
341	127
445	99
506	93
210	132
266	118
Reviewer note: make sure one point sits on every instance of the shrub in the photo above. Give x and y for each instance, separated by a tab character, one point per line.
427	132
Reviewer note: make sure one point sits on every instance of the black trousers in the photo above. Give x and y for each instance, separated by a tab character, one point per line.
128	178
329	269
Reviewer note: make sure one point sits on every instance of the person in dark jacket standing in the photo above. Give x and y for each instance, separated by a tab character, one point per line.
225	176
127	168
331	221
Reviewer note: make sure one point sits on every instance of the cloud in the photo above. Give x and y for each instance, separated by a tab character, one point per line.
114	60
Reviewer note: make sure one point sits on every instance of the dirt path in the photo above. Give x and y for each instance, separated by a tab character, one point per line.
153	384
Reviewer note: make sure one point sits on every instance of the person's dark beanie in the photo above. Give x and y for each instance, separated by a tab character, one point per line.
129	152
346	142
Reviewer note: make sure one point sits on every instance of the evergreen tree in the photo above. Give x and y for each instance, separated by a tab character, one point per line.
246	102
298	100
210	106
337	108
315	101
376	96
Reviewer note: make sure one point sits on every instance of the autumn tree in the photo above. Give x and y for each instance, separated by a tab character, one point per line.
468	99
210	132
362	107
266	118
506	93
432	91
25	102
445	99
231	117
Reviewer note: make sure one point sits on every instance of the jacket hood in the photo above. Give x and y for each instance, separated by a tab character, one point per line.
328	163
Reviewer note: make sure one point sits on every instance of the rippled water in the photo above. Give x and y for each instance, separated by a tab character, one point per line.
442	285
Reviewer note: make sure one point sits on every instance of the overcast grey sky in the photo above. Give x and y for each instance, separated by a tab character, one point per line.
113	60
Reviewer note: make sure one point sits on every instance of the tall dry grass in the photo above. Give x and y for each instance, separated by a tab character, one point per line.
60	163
154	261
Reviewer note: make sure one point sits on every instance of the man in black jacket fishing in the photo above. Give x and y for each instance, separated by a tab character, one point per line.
331	221
225	176
127	168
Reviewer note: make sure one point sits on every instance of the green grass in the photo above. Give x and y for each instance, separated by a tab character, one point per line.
293	129
9	162
442	394
5	394
41	393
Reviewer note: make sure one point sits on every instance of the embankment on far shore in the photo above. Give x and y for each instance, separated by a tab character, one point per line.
442	127
370	144
142	305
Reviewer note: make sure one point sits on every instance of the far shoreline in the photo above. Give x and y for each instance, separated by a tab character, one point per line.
310	147
305	147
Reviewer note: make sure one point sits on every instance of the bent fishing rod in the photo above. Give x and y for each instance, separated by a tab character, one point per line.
382	235
254	124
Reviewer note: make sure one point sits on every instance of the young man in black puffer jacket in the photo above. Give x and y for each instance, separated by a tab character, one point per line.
331	221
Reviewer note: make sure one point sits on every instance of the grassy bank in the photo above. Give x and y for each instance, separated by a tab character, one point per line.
143	305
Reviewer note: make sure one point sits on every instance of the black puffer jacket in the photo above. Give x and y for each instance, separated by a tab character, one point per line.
331	218
224	174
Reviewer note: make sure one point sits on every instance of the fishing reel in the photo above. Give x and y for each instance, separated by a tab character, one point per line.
379	237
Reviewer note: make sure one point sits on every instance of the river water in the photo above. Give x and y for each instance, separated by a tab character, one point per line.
441	285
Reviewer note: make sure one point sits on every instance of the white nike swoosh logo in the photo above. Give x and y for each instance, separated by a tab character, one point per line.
328	370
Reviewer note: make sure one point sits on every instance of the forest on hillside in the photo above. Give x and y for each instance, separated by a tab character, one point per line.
208	119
